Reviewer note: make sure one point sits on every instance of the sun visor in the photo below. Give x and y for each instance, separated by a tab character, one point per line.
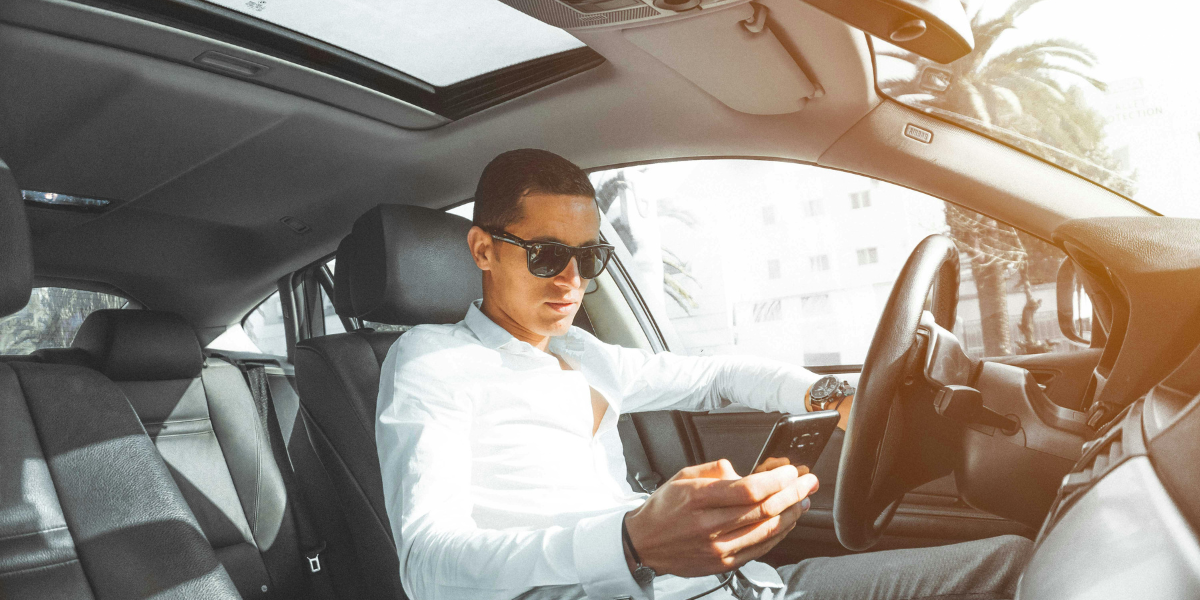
734	56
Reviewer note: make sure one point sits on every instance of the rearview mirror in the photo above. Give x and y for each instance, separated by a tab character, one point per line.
935	29
1074	305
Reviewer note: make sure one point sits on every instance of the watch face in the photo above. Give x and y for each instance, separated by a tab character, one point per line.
644	575
824	387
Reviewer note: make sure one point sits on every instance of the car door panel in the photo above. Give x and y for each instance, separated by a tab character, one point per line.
930	515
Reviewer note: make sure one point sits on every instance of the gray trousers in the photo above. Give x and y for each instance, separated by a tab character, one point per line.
979	570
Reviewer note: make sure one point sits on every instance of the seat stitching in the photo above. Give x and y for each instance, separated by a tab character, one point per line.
164	435
176	421
49	566
257	462
19	535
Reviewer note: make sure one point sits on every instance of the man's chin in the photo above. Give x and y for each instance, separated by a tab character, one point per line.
556	322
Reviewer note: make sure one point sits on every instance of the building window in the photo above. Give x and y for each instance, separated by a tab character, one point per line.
822	359
819	262
860	199
867	256
769	214
814	208
773	268
771	310
815	304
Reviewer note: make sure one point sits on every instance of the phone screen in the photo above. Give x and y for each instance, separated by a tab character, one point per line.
797	440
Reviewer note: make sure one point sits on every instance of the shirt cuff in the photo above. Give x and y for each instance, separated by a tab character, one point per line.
600	560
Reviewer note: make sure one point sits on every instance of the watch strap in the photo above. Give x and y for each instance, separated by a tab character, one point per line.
629	542
642	574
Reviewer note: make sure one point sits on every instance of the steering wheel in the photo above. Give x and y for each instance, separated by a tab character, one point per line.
877	441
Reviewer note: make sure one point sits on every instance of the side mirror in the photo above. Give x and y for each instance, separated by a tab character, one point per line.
1074	305
936	29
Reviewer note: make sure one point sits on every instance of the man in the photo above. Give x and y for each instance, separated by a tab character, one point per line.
503	471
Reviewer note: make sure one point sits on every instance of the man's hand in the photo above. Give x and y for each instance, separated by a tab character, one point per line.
707	520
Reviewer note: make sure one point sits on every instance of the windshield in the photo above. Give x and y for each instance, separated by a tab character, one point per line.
1093	86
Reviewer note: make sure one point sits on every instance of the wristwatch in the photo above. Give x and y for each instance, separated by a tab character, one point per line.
642	574
827	393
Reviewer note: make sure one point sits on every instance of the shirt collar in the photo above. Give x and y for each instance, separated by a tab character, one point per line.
494	336
488	332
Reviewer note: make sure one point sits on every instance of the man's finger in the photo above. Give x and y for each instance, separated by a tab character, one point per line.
750	489
771	463
754	533
727	519
758	550
717	469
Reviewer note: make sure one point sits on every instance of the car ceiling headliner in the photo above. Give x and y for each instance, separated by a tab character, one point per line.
203	166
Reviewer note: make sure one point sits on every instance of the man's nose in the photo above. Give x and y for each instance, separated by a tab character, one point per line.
570	274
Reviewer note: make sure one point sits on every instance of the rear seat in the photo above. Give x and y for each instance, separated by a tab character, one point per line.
87	507
203	419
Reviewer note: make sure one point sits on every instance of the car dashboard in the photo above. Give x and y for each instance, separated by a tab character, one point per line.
1125	519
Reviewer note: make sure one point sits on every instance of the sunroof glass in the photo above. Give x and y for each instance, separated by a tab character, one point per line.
441	42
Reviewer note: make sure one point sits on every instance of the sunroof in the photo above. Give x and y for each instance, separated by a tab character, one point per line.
441	42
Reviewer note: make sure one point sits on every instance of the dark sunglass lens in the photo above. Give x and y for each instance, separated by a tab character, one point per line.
547	260
593	263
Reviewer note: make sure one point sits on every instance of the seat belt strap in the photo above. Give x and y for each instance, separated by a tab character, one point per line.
639	473
310	543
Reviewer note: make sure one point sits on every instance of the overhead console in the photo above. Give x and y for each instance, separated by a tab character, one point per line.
1143	275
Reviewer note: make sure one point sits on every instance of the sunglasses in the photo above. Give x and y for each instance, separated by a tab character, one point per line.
547	259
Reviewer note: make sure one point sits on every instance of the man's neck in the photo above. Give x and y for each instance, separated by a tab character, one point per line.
499	317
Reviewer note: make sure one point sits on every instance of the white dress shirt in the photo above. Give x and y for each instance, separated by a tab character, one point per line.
492	478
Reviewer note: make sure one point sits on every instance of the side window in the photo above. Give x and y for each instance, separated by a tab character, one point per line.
796	262
51	318
264	327
262	331
333	323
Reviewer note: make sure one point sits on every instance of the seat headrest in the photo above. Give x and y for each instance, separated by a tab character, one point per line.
410	266
16	254
140	345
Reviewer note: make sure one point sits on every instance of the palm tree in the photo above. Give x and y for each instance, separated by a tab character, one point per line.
1032	97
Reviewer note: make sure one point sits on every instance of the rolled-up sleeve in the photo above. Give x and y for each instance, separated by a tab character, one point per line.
423	438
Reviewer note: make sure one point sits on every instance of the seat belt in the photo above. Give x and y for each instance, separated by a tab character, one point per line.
639	473
310	542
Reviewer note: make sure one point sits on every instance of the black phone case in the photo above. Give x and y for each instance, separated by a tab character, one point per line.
799	438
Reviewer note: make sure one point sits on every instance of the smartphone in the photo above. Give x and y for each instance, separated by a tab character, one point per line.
799	439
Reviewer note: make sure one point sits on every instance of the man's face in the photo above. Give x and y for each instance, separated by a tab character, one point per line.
541	306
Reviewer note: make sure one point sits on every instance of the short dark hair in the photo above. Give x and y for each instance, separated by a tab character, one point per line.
513	174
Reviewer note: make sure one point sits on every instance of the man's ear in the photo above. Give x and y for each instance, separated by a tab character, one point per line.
482	249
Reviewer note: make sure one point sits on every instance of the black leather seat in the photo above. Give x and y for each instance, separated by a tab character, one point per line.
401	265
88	509
205	423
